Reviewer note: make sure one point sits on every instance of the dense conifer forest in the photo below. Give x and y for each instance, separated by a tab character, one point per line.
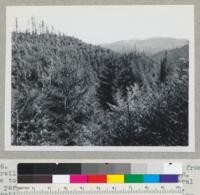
70	93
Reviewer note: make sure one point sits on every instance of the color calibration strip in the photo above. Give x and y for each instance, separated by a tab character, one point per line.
72	179
95	173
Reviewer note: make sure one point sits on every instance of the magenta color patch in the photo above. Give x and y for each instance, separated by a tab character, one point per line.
78	178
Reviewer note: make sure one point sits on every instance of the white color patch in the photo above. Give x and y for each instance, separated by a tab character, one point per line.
173	168
60	179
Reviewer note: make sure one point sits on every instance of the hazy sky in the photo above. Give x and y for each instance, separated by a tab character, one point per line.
104	24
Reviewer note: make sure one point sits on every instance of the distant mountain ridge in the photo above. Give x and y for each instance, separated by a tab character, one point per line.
173	55
149	46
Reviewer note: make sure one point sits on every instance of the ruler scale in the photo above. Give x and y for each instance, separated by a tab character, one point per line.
103	189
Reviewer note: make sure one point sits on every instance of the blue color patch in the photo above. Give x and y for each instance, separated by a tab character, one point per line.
151	178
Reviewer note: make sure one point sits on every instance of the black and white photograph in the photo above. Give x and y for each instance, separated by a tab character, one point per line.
108	77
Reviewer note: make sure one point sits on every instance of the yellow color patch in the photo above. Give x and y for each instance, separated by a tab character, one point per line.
115	178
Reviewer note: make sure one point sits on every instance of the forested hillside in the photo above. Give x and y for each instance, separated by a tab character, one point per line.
66	92
149	46
174	55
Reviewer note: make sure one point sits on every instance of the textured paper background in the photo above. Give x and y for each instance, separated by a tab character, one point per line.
98	155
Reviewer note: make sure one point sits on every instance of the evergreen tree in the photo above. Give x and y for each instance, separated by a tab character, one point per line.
163	71
125	77
106	89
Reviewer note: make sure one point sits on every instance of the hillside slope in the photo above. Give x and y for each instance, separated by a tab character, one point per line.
69	93
148	46
173	55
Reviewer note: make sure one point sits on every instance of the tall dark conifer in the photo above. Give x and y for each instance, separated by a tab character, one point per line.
106	89
163	71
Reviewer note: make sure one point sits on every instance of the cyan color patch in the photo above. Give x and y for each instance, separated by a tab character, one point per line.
151	178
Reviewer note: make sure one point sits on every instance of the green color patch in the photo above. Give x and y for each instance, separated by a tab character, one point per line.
130	178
